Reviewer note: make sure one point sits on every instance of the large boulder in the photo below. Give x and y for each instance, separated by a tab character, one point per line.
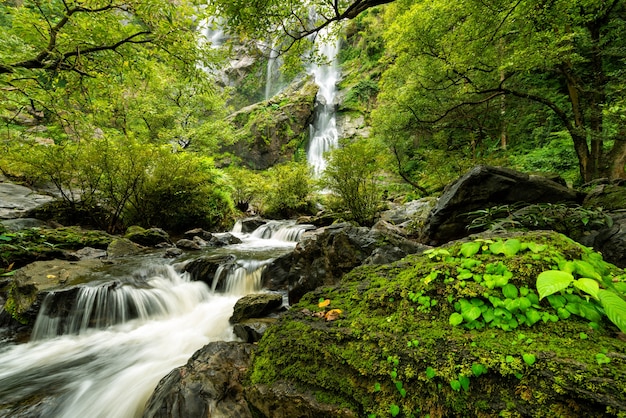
459	331
208	386
204	268
150	237
485	187
324	255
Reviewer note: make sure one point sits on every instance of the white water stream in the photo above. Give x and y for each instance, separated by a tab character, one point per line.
122	337
324	135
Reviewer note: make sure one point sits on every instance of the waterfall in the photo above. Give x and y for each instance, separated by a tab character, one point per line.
271	70
324	135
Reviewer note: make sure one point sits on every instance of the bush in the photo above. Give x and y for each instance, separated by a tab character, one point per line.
289	188
135	182
351	174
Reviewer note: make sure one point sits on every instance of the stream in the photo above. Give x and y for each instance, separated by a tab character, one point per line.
151	319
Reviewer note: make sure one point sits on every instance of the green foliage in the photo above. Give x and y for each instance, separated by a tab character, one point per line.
288	190
352	174
555	156
136	183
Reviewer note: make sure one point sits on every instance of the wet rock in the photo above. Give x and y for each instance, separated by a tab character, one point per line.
208	386
122	247
255	306
249	225
485	187
224	239
324	255
413	211
198	232
147	237
286	400
172	252
251	330
187	244
611	241
204	268
32	283
14	225
89	253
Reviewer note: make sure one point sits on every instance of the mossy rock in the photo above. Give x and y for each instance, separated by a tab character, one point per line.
394	345
607	196
33	244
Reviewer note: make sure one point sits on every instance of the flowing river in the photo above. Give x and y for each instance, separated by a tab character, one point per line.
78	367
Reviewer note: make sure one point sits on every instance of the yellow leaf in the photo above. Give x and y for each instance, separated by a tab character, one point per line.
51	276
324	303
333	314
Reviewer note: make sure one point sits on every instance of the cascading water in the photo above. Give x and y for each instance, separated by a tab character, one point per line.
105	355
271	72
324	135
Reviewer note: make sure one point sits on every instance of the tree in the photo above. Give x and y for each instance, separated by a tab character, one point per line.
455	59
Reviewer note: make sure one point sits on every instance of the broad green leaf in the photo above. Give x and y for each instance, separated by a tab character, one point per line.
532	316
464	380
394	409
552	281
529	359
585	269
614	307
430	372
455	385
469	249
512	247
536	248
478	369
589	286
455	319
471	314
510	291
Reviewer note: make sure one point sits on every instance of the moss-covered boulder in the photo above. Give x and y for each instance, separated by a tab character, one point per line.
461	330
34	244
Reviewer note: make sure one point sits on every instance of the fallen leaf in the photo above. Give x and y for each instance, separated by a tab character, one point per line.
51	276
333	314
324	303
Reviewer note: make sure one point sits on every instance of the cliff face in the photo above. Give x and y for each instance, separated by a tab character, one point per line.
272	131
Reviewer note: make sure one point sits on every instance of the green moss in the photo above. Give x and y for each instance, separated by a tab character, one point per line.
20	248
384	348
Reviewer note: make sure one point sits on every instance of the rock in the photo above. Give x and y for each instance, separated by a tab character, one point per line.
485	187
609	197
172	252
147	237
122	247
413	211
255	306
249	225
14	225
204	268
187	244
198	232
251	330
31	283
286	400
266	130
324	255
611	242
89	253
352	127
17	201
224	239
429	332
208	386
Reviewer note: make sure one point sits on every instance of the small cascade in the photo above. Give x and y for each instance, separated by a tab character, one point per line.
324	135
281	230
151	293
239	278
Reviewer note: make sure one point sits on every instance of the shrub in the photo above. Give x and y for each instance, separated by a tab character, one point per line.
351	174
289	190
